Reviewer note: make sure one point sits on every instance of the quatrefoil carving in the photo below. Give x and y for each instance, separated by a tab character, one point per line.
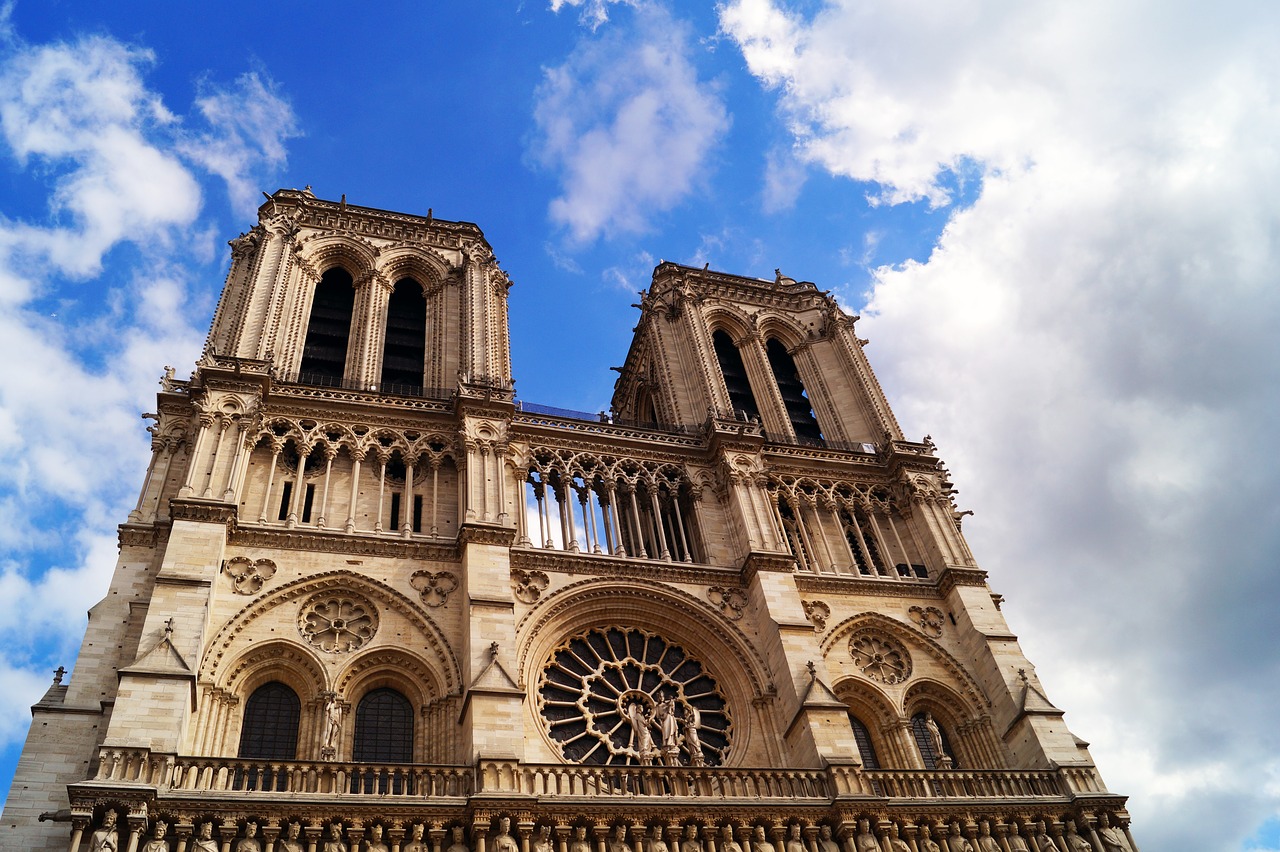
248	575
433	587
929	619
529	585
731	602
817	612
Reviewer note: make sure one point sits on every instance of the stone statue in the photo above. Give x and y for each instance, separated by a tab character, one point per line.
1017	843
543	843
794	843
690	841
864	840
333	843
926	842
250	841
956	841
1074	842
896	843
106	838
580	842
669	725
1043	841
205	842
504	842
654	842
1112	837
727	843
641	736
693	742
825	841
332	722
987	843
935	736
290	841
375	842
157	843
618	843
458	843
759	842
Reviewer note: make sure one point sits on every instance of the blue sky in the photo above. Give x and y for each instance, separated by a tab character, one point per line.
1058	222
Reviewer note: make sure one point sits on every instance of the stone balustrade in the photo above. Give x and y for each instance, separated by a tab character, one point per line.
956	784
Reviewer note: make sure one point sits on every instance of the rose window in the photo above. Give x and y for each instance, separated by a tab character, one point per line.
628	697
880	657
338	623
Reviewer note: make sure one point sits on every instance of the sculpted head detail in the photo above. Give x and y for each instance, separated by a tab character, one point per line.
206	831
825	832
292	832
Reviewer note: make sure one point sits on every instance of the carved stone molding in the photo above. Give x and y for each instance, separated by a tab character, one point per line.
817	612
433	586
337	623
732	602
528	585
879	656
203	511
597	565
248	575
929	619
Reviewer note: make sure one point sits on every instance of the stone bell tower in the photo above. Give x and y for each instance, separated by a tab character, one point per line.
368	598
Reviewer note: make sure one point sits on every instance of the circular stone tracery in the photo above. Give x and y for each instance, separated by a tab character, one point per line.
337	623
598	682
880	657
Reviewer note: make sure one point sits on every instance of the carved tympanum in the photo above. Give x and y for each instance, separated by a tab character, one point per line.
248	575
337	623
433	586
618	696
880	657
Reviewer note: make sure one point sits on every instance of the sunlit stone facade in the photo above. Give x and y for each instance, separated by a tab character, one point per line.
368	599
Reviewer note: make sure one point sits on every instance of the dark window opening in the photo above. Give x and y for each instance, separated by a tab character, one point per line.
794	396
269	730
285	495
384	728
307	500
395	511
324	355
405	347
417	513
924	741
866	749
735	377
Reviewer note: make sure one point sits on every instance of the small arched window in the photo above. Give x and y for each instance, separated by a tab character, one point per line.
404	350
927	738
384	728
269	730
866	749
735	377
794	396
324	355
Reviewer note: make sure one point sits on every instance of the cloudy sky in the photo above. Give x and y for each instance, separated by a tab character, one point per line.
1059	222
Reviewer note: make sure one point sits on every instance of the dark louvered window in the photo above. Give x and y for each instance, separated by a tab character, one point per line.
794	397
866	749
324	355
270	727
404	352
384	728
735	376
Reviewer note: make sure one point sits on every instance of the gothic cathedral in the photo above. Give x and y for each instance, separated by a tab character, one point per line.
369	601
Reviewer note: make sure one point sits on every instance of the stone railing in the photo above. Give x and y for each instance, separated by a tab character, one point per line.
633	781
959	784
203	774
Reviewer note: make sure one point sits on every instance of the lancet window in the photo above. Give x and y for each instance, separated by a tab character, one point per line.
736	382
794	396
269	729
613	507
324	354
866	748
384	728
932	740
404	348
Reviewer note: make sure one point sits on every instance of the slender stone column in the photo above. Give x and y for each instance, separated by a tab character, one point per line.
330	452
355	490
299	488
382	488
276	447
406	529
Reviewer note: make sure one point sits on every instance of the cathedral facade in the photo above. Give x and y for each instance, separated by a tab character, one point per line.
370	600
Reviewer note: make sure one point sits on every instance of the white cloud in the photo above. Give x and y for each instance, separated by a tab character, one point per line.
628	126
1091	342
594	12
784	177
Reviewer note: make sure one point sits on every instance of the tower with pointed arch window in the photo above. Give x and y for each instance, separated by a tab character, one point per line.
370	597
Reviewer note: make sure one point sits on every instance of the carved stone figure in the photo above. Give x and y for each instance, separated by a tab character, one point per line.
669	726
1043	841
759	842
106	838
334	842
618	843
543	843
986	843
896	843
375	842
1112	837
654	842
1074	842
927	843
690	842
644	736
1017	843
692	742
290	841
727	843
250	841
504	842
956	841
935	735
204	842
332	722
157	843
864	840
825	841
794	843
458	843
580	842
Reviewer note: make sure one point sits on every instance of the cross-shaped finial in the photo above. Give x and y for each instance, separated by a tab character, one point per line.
168	627
58	674
1022	675
493	651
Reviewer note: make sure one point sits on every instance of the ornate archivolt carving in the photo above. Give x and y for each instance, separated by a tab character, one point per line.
248	575
929	619
817	612
528	585
879	656
731	602
433	586
337	623
622	696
